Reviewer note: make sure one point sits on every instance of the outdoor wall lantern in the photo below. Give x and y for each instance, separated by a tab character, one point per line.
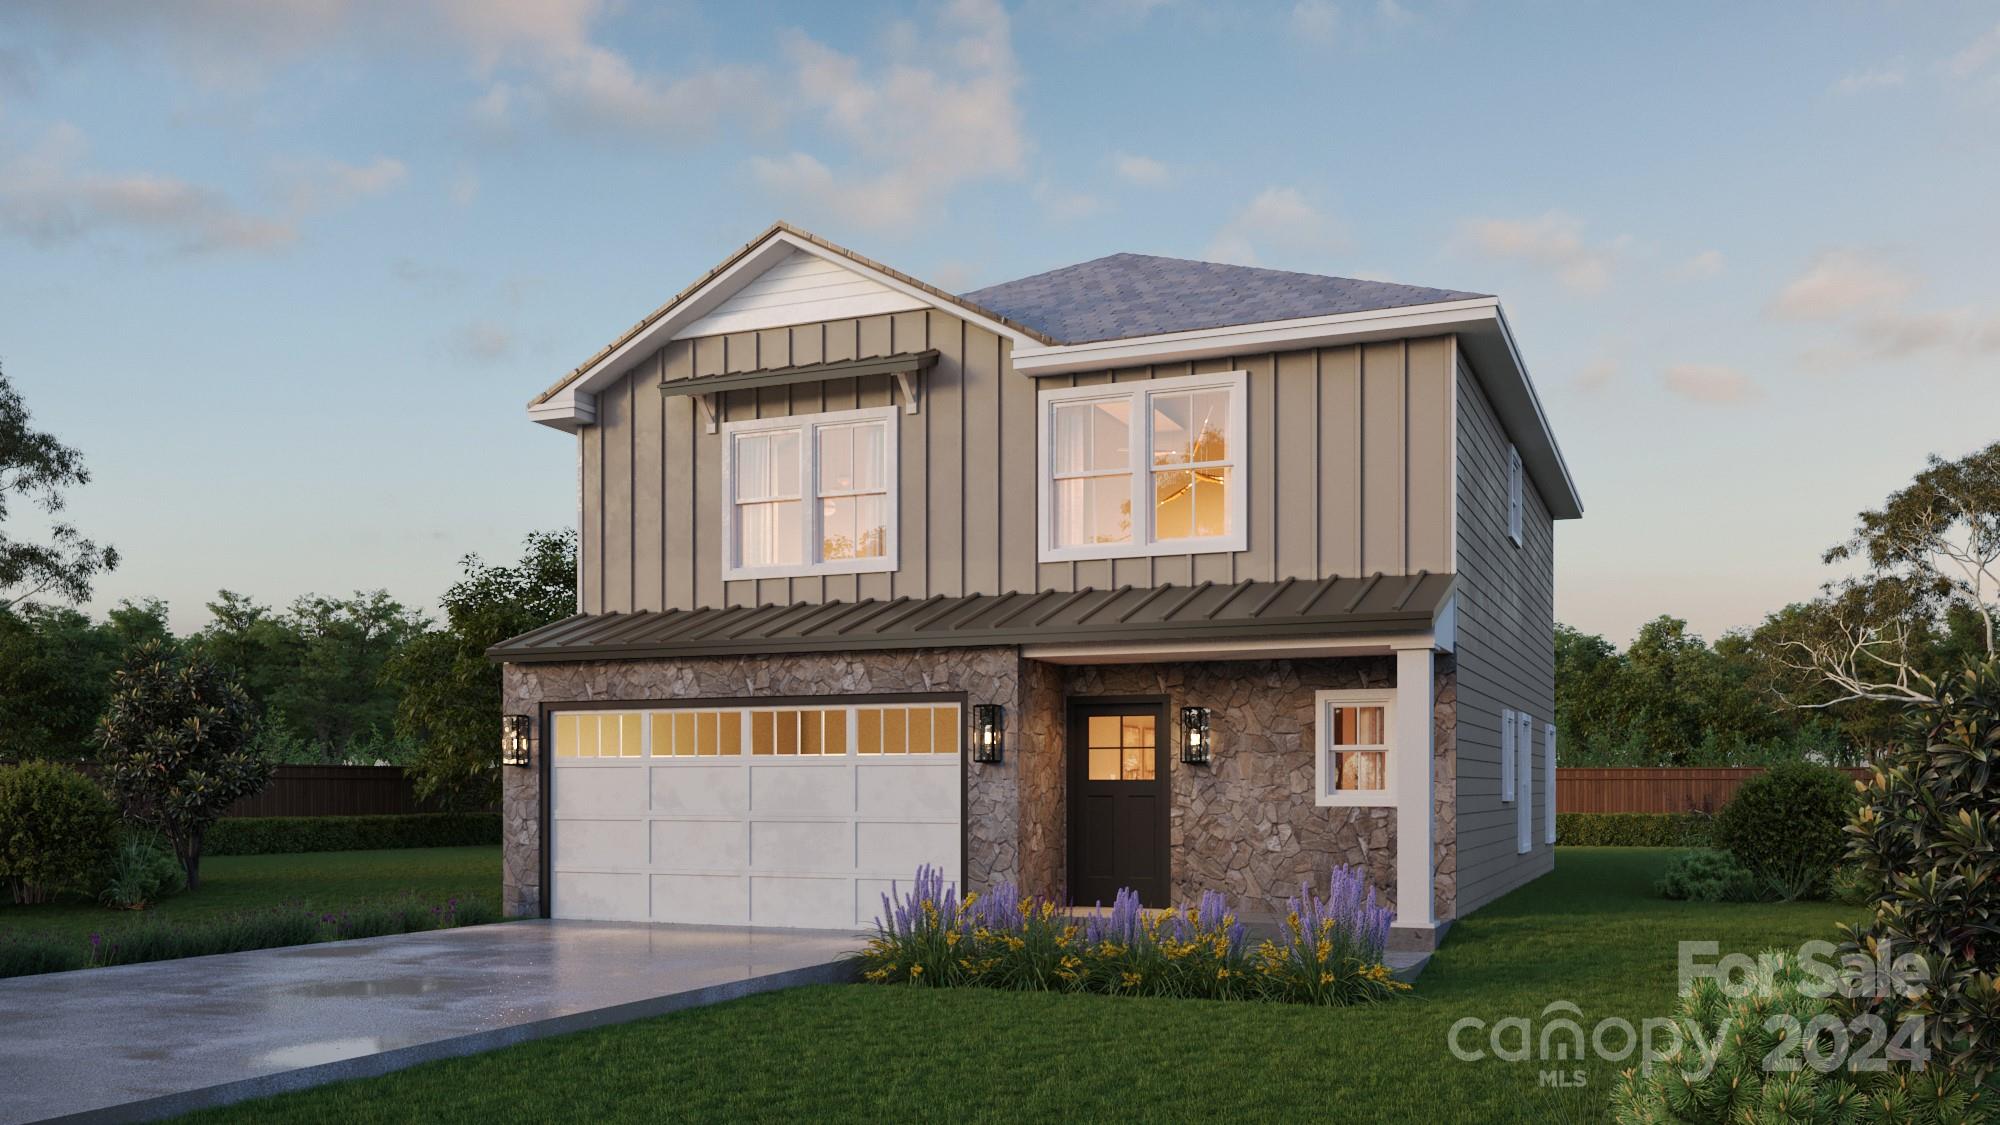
986	732
514	730
1196	742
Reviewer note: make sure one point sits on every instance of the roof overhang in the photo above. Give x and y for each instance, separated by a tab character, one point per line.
1481	327
573	401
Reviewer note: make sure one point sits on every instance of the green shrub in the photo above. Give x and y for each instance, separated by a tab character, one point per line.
56	831
142	872
1708	875
1927	840
1632	830
1329	950
1788	825
1852	885
1739	1088
292	924
272	835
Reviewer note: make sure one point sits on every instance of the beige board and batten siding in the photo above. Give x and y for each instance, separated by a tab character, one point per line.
1349	467
1506	652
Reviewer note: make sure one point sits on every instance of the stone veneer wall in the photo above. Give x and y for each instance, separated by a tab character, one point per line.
984	675
1246	825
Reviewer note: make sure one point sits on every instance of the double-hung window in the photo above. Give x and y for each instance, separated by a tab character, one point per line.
1351	762
1148	468
813	494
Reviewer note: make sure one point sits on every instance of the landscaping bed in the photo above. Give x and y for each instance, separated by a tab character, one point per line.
1595	933
326	883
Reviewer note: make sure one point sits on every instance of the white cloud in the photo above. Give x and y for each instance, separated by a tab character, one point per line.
1553	241
483	341
920	130
1840	282
1709	383
1597	377
1140	169
49	196
1315	21
1280	222
1708	263
1063	204
319	185
1975	56
1879	78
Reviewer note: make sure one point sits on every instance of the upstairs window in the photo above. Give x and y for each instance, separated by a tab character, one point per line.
1515	495
810	495
1146	468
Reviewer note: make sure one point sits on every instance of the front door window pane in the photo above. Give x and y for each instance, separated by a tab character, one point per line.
1121	747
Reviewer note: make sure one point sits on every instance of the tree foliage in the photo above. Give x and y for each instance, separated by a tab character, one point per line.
37	467
176	745
55	675
1928	840
451	691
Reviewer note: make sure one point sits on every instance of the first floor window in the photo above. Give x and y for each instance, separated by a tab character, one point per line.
811	494
1353	743
1145	468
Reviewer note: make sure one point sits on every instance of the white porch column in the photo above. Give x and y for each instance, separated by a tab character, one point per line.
1416	890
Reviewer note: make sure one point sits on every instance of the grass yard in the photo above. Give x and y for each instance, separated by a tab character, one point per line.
1592	933
235	884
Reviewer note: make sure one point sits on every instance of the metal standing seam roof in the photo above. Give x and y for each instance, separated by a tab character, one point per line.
1292	608
1125	295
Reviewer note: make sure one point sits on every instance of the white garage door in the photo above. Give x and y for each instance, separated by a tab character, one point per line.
763	816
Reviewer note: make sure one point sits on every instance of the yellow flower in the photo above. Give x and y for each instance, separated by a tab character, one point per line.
1131	980
1222	974
1326	978
916	970
951	937
1324	949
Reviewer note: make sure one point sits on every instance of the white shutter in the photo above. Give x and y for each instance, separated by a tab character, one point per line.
1514	495
1524	785
1506	756
1549	781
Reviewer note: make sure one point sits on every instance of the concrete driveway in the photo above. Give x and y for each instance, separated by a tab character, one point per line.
138	1042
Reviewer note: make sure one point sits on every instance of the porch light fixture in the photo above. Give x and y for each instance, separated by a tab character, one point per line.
1196	744
986	732
514	730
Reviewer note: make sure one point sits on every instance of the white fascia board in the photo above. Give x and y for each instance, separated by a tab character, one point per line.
567	410
1479	323
1144	652
1235	339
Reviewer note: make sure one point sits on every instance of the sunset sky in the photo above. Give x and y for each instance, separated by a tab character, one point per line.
288	272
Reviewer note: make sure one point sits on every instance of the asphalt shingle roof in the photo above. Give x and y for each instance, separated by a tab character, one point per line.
1124	295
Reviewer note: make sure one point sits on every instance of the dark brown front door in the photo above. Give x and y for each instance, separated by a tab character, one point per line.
1118	802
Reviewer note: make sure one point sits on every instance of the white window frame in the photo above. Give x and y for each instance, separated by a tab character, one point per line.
1323	749
1549	783
1524	788
1507	757
809	426
1144	543
1516	494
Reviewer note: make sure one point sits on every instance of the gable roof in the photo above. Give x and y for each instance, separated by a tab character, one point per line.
563	401
1125	295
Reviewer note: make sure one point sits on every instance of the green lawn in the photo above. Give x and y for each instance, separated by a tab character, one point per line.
1593	933
239	883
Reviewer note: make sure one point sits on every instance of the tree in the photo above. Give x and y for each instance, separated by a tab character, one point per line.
1668	699
55	675
336	691
451	691
35	465
250	640
1933	557
176	745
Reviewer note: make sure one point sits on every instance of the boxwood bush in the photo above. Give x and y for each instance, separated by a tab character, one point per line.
1709	875
271	835
1788	825
57	829
1632	830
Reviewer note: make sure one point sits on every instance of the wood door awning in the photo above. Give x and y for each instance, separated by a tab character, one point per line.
905	366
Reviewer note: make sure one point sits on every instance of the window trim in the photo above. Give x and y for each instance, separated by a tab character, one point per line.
1323	792
1141	469
809	426
1549	783
1507	730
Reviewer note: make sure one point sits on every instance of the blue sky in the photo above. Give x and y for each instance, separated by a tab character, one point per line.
288	271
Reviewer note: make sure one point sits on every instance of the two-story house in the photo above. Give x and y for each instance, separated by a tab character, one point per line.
1140	572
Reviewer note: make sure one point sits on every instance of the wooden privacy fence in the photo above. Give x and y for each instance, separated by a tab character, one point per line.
1590	789
333	791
